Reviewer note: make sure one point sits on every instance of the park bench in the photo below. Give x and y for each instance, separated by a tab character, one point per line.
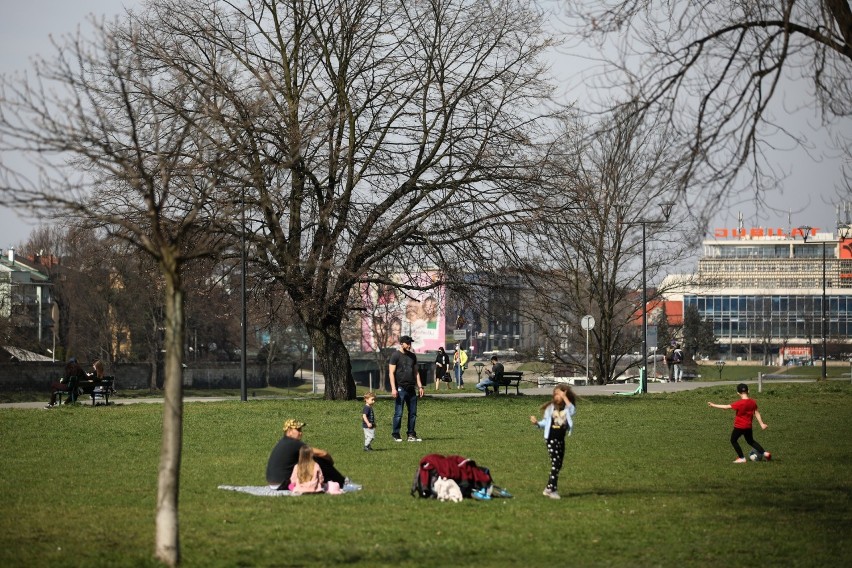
98	389
510	379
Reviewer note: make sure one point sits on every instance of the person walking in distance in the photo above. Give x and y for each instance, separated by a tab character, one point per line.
459	364
669	355
677	363
442	368
406	388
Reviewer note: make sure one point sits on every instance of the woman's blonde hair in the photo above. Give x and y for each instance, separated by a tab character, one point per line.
559	403
305	467
99	368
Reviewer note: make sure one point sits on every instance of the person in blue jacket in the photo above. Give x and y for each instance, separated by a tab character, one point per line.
556	423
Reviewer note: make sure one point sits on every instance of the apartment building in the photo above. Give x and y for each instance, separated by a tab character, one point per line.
773	291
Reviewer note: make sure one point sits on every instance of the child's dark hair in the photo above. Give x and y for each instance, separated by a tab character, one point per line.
742	387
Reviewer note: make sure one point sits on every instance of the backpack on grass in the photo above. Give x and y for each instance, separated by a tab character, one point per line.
467	475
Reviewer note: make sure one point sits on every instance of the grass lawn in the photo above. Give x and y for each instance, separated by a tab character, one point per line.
647	481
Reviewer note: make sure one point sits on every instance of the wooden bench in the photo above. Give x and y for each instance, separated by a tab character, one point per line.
98	389
510	379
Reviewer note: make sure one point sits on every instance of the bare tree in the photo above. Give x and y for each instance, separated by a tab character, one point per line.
612	178
109	146
351	125
716	72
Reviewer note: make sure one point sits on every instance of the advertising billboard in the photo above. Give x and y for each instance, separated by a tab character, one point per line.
392	311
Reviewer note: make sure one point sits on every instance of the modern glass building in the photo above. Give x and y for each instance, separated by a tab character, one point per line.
764	290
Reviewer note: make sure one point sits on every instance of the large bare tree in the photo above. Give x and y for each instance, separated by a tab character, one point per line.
352	126
613	178
719	74
122	146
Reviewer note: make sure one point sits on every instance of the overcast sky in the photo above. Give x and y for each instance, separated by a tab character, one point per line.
809	191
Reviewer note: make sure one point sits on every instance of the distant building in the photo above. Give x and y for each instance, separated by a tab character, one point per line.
763	290
25	297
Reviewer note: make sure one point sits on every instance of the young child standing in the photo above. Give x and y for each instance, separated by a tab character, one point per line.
746	411
557	423
307	476
368	421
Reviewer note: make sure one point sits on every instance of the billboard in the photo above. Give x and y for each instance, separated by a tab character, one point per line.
391	311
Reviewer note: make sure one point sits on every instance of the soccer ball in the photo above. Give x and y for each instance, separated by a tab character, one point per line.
754	456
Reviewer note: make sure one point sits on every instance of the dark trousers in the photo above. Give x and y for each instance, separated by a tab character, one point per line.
745	432
58	388
329	472
404	397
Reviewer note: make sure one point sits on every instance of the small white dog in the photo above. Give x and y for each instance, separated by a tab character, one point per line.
447	490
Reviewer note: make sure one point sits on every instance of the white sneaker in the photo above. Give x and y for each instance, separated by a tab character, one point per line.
414	439
551	493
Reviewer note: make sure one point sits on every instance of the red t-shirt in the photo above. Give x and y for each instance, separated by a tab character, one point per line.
745	408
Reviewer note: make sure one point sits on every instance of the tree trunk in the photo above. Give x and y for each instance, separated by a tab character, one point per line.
334	359
167	546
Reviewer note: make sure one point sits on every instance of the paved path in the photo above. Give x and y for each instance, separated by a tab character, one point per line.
469	391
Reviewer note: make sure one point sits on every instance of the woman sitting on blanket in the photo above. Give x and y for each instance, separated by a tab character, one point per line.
306	476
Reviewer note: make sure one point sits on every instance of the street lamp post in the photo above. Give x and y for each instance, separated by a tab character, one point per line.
643	372
805	234
243	314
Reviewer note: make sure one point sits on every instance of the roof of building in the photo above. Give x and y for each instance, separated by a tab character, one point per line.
22	265
18	354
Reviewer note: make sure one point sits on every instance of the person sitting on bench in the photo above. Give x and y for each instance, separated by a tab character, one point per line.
73	373
98	367
493	377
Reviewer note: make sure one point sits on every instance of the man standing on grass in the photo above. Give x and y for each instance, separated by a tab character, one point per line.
406	388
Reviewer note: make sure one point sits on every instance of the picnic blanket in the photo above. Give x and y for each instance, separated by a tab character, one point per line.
259	490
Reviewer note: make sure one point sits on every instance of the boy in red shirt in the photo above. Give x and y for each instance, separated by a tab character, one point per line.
746	409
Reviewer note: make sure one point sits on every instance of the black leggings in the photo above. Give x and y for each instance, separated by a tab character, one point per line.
556	451
735	436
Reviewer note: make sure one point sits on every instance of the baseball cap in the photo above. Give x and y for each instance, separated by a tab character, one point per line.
293	424
406	339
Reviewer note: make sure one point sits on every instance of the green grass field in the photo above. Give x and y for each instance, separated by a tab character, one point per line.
648	481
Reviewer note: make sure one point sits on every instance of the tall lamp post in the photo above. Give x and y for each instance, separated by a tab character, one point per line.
643	372
243	311
806	230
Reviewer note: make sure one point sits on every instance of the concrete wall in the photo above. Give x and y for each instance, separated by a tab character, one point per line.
38	376
228	375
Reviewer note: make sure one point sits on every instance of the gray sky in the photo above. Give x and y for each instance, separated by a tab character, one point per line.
809	190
